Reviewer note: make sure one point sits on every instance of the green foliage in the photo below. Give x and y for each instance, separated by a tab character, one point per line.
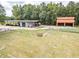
2	12
46	13
10	18
71	8
18	12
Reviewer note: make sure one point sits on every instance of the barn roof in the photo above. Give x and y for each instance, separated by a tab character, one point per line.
65	21
67	18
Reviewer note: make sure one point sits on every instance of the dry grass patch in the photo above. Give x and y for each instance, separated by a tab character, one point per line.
25	43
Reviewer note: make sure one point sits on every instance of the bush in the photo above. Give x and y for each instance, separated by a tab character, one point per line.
2	23
40	34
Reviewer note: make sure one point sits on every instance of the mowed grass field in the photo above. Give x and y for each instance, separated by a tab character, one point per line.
27	43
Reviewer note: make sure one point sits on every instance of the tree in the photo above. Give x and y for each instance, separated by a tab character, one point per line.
46	13
52	12
2	12
17	12
71	8
43	7
77	13
28	11
35	13
61	10
42	17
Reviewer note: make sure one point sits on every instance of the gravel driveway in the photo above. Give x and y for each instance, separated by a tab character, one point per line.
7	28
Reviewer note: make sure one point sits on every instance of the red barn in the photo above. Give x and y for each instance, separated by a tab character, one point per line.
65	20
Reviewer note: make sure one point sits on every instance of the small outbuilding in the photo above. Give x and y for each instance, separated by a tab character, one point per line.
65	21
22	23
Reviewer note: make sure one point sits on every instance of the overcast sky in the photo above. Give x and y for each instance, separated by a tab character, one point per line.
9	3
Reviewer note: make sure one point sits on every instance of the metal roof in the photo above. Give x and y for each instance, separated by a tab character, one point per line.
67	18
65	21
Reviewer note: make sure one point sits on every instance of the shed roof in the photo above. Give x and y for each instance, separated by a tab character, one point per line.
65	21
21	20
67	18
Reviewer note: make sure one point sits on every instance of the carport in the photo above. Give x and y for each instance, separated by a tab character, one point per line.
22	23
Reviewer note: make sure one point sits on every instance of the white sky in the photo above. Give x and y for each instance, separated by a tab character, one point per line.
9	3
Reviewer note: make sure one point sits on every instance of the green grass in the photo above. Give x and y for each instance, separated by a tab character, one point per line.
26	43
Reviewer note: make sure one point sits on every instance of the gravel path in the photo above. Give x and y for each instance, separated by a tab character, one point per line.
7	28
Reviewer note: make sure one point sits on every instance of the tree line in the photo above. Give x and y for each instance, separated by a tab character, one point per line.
45	13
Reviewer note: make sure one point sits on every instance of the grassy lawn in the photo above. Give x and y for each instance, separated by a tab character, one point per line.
26	43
